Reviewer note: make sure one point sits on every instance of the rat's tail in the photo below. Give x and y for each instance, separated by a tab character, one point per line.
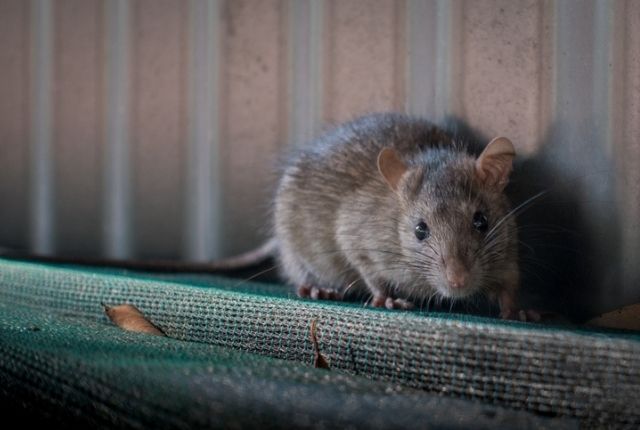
243	261
250	258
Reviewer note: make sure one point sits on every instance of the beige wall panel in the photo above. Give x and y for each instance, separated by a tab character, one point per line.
364	57
253	116
77	101
14	136
561	74
159	132
502	64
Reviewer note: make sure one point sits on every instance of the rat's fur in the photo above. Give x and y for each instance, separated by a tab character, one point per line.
338	223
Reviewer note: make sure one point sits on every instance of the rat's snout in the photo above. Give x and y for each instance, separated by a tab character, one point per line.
456	273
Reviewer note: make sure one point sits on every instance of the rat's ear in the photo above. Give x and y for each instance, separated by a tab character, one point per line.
391	167
494	165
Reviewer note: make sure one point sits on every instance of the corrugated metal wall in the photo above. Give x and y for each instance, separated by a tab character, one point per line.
150	128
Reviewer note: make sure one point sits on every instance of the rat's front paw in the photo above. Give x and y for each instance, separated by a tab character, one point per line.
318	293
520	315
390	303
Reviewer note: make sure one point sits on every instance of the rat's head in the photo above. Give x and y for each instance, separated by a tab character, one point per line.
454	228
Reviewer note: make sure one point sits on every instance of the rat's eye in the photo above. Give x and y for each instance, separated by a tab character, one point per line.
480	222
421	230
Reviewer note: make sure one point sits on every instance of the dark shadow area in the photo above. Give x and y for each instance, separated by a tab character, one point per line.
553	239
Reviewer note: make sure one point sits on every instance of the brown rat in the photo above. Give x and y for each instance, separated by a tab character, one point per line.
393	204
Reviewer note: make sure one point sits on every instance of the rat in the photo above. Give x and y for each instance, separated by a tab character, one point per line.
392	204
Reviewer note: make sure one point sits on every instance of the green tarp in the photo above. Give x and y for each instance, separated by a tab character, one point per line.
238	354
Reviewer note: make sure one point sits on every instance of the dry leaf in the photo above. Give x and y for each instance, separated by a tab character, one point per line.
627	318
319	361
128	317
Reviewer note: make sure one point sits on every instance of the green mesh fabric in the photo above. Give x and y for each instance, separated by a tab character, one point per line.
239	354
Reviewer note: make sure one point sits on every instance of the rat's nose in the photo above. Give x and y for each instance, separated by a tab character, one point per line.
457	275
457	280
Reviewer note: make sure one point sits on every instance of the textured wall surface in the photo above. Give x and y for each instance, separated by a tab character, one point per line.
151	128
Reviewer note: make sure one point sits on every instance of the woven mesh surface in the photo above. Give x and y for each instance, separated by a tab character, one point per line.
58	349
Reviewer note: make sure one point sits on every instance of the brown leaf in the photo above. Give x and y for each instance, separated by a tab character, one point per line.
627	318
319	362
128	317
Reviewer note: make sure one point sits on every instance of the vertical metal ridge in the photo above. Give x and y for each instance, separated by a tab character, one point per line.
619	75
422	29
41	160
582	124
401	46
306	63
204	178
603	56
573	60
625	160
449	39
434	73
117	171
546	68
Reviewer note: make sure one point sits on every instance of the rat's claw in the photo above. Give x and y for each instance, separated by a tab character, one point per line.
303	290
318	293
390	303
398	304
378	301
